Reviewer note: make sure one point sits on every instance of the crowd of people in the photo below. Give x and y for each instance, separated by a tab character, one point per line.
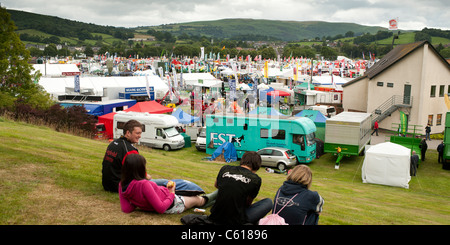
124	171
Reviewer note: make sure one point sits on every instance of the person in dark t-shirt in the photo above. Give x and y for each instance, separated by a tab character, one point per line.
116	153
237	187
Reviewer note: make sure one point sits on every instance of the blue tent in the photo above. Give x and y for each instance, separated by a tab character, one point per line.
229	152
319	120
183	117
266	111
263	94
314	115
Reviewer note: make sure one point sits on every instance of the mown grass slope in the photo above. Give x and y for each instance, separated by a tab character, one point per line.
53	178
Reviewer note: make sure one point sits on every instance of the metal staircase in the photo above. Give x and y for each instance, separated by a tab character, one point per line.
390	105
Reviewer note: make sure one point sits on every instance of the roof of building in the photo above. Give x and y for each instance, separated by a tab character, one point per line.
391	58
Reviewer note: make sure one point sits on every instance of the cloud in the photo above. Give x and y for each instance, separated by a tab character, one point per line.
412	14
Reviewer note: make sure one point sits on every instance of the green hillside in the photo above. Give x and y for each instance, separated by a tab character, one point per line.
60	27
54	178
283	30
225	28
405	38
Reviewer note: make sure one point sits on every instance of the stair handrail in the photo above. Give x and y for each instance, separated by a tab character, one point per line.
393	101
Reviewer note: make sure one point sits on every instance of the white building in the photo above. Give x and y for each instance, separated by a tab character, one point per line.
412	78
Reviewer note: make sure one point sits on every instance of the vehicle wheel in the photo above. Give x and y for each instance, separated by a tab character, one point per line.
281	166
166	147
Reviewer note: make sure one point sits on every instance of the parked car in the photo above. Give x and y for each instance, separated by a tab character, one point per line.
277	157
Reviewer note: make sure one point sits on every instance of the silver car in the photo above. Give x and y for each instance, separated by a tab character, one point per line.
277	157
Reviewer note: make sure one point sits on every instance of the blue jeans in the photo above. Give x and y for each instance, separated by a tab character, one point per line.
258	210
427	136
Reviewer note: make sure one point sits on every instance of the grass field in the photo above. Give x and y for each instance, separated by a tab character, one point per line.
53	178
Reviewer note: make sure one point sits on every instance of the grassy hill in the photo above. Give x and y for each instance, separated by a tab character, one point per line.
405	38
283	30
75	32
53	178
225	28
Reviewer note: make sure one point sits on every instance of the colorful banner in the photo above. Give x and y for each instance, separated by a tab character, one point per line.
403	123
266	69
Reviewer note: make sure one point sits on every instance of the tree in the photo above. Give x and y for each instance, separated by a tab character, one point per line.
88	51
349	34
268	53
328	53
445	53
51	50
16	79
422	36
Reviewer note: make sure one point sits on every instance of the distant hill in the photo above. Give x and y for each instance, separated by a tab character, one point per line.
63	27
225	28
283	30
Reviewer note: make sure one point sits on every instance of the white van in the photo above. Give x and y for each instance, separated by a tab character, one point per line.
327	111
200	142
158	132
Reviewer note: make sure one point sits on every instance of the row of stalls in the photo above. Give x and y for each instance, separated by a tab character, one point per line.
102	96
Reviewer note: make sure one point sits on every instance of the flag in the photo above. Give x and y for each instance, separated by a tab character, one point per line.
76	86
147	86
393	24
175	80
447	101
266	69
332	81
295	73
403	123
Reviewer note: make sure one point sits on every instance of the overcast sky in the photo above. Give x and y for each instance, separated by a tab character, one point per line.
411	14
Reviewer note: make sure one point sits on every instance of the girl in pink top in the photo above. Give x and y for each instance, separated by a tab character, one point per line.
135	190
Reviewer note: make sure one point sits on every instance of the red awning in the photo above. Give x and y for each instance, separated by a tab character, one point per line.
151	107
278	93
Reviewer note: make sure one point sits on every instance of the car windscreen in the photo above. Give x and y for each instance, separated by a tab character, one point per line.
171	131
202	132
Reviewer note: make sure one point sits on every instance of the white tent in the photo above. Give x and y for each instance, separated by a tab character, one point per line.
55	69
57	86
201	79
326	80
387	164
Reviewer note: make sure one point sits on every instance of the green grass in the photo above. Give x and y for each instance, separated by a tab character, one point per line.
48	177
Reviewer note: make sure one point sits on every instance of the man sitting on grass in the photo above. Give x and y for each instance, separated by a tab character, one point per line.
116	153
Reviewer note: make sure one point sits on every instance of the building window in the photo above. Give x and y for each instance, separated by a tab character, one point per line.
430	120
433	91
438	119
380	84
390	85
441	90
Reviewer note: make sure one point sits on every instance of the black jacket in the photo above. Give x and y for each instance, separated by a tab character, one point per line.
303	209
112	162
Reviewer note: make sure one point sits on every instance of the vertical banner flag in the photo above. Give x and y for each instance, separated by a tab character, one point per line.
403	122
266	69
202	54
175	79
295	72
147	86
76	85
234	67
169	82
